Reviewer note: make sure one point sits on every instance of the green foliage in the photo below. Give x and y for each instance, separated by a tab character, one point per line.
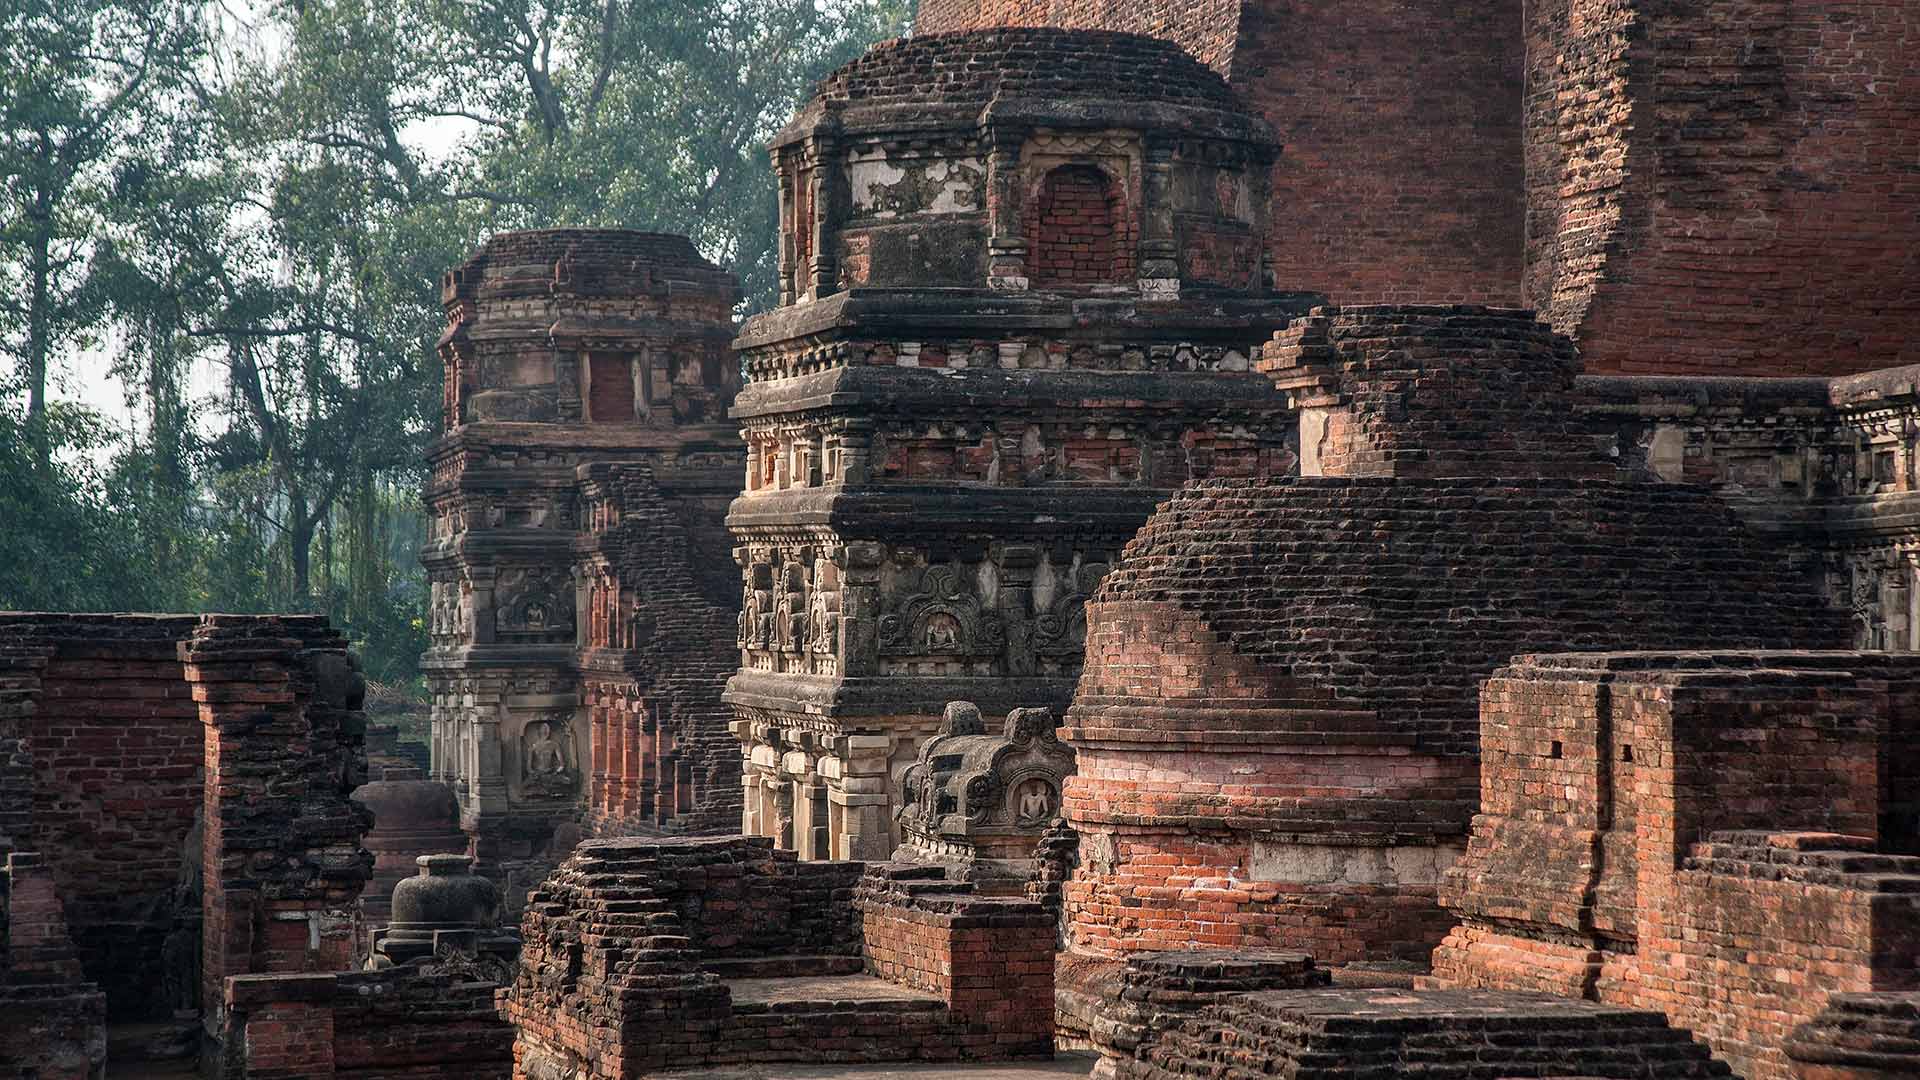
274	202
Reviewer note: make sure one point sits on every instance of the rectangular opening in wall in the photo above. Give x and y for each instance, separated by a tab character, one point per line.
1556	752
609	388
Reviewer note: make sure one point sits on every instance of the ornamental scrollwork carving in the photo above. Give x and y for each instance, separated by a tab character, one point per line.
943	615
1061	630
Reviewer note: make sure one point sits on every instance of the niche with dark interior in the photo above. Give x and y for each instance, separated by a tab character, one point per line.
609	388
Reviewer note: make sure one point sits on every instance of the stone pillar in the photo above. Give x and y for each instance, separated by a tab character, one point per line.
866	828
1159	256
784	172
827	177
1007	245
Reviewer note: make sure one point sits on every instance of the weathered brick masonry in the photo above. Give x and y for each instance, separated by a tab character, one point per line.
192	774
1276	726
1682	188
1725	188
56	1020
1697	833
645	955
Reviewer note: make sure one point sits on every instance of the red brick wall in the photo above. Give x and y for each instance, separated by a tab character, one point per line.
116	748
990	959
1725	188
609	388
1401	176
1078	229
1609	861
373	1025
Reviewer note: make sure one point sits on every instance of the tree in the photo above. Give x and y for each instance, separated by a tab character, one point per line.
79	94
646	113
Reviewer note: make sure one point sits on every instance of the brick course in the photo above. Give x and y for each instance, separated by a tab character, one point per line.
1716	189
1695	833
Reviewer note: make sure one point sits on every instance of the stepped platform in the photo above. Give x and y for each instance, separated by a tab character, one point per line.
1348	1034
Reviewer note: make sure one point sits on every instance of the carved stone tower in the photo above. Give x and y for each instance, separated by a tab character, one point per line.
1022	277
581	596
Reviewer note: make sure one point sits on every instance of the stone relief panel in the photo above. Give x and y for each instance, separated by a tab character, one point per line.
940	621
549	761
534	606
1060	622
790	610
1877	589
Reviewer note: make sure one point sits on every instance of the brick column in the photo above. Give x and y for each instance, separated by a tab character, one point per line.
275	709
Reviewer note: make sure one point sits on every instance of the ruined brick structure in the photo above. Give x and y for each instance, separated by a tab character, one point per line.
1403	174
1276	731
1726	837
1682	188
581	611
184	779
982	378
650	954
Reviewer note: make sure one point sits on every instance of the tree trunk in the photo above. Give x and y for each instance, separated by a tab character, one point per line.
40	328
300	528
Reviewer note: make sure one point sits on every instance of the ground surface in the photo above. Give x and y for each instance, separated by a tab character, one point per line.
822	988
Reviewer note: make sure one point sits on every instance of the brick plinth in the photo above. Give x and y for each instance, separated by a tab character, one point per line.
430	1019
989	958
1859	1037
1694	833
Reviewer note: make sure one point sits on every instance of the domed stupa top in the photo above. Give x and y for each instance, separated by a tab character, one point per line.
1085	75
